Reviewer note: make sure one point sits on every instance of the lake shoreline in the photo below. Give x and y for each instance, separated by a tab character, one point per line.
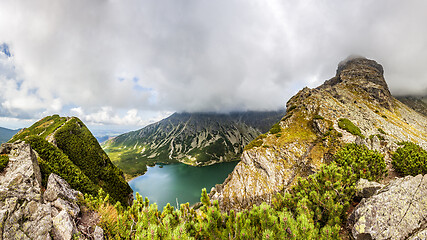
129	178
179	182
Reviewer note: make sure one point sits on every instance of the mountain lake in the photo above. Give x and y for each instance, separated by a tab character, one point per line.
179	182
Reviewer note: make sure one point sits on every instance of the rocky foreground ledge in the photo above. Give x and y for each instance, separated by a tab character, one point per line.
28	212
395	211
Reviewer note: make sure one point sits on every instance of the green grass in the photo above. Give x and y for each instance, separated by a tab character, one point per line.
347	125
257	142
41	128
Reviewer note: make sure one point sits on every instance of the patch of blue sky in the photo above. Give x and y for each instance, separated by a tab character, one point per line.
4	48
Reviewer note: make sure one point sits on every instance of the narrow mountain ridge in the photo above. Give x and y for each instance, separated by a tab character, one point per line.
197	139
354	106
66	147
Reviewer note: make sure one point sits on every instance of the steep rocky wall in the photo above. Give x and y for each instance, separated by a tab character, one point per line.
310	133
26	212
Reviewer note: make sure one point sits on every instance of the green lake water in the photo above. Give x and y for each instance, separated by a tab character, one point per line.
180	182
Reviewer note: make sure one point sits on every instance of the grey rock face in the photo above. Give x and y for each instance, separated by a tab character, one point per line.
24	212
397	211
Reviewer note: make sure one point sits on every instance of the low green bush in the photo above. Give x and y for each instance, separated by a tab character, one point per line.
82	148
53	160
347	125
275	128
291	108
4	160
381	131
364	163
257	142
410	159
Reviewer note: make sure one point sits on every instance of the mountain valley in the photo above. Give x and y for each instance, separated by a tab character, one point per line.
196	139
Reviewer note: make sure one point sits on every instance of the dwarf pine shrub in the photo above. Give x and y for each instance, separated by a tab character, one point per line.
410	159
314	208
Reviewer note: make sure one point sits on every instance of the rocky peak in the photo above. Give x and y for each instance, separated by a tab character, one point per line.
312	130
364	76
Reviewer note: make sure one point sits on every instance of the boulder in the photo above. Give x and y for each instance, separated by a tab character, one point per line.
59	188
397	211
63	226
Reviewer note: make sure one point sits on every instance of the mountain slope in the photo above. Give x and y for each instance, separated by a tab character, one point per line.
418	103
192	138
354	106
65	146
6	134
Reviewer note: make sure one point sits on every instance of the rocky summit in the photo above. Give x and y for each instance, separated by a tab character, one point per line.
29	212
353	106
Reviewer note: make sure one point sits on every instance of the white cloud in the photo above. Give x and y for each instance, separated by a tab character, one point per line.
107	115
159	56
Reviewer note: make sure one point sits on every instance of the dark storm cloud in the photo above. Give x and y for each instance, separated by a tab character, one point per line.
105	57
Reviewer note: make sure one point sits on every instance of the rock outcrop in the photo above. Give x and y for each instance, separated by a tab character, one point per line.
397	211
28	213
310	133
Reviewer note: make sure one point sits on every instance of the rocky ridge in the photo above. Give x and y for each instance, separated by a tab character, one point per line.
66	147
28	212
310	134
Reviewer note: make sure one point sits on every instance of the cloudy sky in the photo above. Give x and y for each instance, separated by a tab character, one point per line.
132	62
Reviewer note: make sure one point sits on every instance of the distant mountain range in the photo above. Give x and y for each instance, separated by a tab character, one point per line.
6	134
196	139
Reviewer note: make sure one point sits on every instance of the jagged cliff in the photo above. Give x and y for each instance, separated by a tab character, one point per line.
354	106
197	139
29	211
